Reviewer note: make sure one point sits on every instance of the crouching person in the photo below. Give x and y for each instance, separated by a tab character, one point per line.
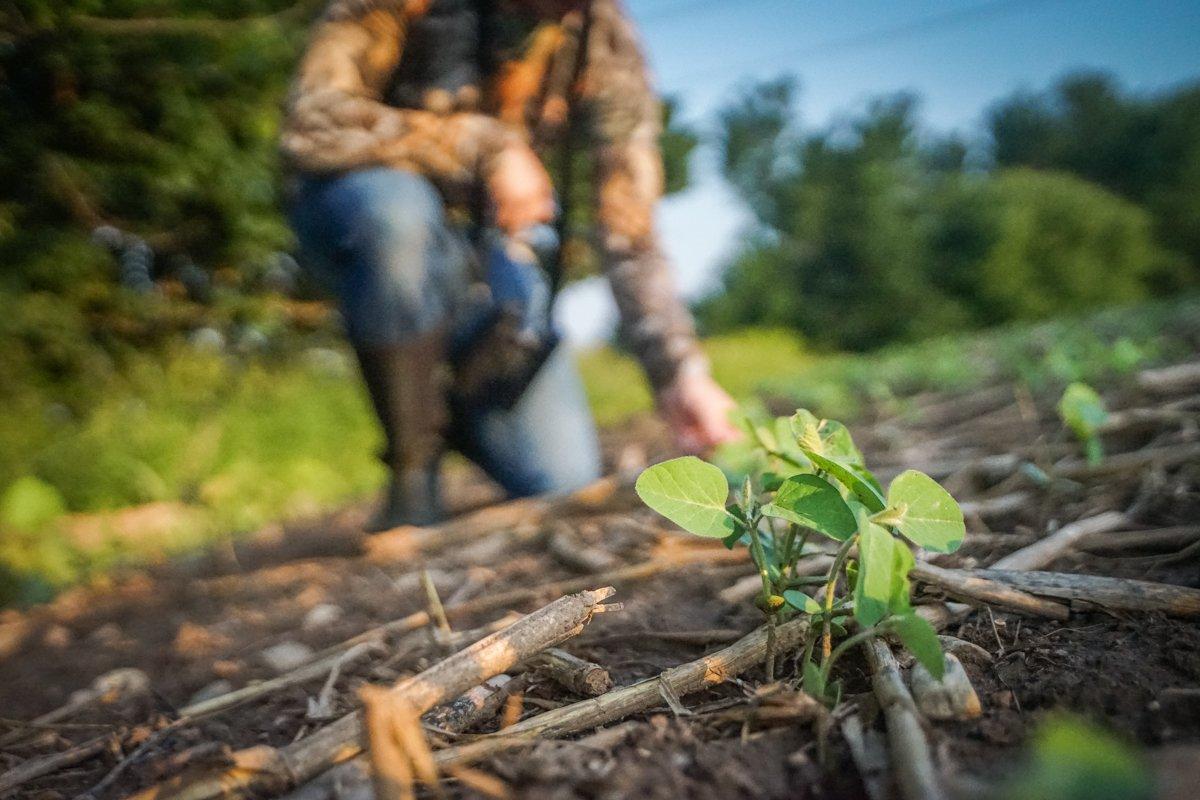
408	120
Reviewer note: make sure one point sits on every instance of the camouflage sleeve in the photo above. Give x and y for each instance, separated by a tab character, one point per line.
336	120
626	122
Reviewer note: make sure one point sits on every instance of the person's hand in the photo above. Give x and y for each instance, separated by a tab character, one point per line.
697	410
521	193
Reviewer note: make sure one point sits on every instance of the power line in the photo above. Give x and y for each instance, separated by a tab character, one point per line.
917	27
679	7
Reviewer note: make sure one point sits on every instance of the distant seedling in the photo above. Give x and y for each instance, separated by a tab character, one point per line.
812	482
1083	411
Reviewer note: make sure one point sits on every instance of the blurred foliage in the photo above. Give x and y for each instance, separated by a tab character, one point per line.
775	367
230	441
874	232
1143	148
1072	759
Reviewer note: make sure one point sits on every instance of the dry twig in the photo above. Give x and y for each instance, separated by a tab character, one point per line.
909	749
266	770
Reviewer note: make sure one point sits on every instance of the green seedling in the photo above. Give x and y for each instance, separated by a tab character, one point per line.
811	483
1083	411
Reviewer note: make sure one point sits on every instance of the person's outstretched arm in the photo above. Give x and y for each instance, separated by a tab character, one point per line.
626	122
336	119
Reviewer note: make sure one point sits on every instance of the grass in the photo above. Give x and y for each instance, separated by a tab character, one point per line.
774	365
235	443
214	444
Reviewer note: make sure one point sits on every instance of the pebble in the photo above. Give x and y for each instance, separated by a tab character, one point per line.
952	697
58	637
286	656
319	616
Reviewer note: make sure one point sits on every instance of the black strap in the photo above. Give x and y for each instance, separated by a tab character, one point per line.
570	148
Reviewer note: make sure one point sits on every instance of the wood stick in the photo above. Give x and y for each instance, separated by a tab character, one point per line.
1169	380
909	749
574	674
700	637
302	674
619	577
45	765
1155	539
997	506
1164	457
1047	550
475	705
266	770
1131	418
408	648
613	492
571	551
1117	594
869	754
684	679
969	585
107	688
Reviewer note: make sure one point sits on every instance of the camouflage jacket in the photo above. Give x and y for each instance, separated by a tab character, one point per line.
381	85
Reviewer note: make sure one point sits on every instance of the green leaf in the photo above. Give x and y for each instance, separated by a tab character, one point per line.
826	437
691	493
871	497
1082	410
902	562
921	640
814	503
929	516
867	476
802	602
1074	759
1084	413
873	589
789	451
814	681
771	481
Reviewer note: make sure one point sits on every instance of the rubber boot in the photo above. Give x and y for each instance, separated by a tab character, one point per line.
407	384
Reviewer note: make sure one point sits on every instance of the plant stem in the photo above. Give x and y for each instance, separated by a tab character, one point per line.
830	583
805	580
760	558
844	645
789	541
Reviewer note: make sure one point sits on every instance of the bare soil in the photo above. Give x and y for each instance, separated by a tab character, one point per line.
205	624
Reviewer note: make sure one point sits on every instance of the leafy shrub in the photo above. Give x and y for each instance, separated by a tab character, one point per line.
1055	243
873	232
812	481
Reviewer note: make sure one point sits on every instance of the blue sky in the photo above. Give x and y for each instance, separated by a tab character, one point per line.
958	56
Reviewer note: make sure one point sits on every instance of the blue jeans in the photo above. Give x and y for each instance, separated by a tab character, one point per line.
378	239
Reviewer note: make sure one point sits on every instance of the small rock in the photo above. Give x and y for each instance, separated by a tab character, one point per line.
227	668
953	697
214	689
286	656
965	651
194	641
321	615
107	635
57	636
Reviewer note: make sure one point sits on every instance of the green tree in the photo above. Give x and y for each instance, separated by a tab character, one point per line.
841	248
1053	243
874	231
1144	148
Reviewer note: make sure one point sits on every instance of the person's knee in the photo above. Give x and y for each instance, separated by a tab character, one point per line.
401	222
408	270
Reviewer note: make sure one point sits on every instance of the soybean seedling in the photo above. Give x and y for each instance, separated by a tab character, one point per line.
1084	413
812	484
